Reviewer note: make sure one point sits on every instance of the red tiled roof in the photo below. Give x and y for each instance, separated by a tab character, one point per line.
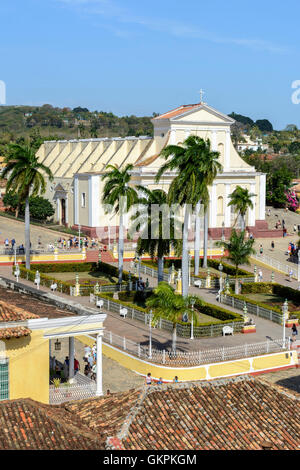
17	332
12	313
27	424
177	111
231	414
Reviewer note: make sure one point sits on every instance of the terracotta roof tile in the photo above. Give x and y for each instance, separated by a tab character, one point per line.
10	312
16	332
177	111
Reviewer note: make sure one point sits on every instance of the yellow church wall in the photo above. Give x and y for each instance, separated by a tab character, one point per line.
29	367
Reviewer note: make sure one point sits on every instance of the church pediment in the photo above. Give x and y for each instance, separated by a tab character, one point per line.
59	187
203	114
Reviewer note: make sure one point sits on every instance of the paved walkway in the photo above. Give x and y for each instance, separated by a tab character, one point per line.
138	332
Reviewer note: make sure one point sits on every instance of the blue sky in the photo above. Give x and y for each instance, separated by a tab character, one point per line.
138	57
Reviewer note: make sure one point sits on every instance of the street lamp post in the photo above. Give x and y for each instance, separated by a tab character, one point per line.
223	236
192	322
15	253
17	272
189	269
221	278
150	334
37	279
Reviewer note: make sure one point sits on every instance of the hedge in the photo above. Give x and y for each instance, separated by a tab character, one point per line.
45	280
226	316
212	263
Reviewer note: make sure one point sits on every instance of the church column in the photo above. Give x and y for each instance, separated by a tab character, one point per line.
172	137
214	145
213	206
227	218
94	200
262	197
227	151
99	387
251	213
76	197
67	209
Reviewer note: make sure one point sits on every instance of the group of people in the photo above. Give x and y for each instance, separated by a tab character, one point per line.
73	242
150	381
59	368
90	359
11	244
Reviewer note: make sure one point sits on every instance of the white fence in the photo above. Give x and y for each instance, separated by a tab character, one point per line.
273	263
253	309
194	358
84	388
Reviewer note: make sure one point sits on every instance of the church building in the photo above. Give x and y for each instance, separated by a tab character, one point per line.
78	167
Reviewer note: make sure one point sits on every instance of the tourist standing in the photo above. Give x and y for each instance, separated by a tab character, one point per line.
272	245
148	379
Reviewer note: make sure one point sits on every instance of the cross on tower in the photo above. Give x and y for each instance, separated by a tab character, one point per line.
201	95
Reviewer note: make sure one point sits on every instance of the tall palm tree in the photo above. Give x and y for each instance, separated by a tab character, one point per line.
209	166
190	185
239	251
241	199
150	223
118	194
25	177
171	306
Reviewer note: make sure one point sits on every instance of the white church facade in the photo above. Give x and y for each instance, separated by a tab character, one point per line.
78	167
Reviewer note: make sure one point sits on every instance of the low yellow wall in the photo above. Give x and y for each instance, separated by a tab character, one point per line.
203	372
41	258
29	367
210	252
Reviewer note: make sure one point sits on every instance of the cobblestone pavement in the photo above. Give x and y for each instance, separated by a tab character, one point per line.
115	377
288	379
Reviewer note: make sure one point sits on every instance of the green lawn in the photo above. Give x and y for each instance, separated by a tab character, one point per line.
86	277
272	300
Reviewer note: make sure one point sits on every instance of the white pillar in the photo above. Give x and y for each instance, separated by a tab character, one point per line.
214	145
213	206
227	151
262	197
94	200
251	216
76	201
67	209
99	390
227	218
71	357
172	137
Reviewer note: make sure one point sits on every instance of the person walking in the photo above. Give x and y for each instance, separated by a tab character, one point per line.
76	366
272	245
260	275
149	379
294	332
261	250
175	380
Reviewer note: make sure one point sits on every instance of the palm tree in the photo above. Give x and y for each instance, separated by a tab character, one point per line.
239	251
150	224
241	199
118	194
171	306
25	177
190	185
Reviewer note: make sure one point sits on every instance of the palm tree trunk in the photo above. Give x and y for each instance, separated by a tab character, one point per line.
174	338
197	240
121	248
27	233
160	265
185	255
205	241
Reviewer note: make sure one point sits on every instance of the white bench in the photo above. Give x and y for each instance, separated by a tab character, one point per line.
198	283
99	303
227	330
123	312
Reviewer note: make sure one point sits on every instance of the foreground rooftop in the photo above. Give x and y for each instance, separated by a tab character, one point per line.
231	414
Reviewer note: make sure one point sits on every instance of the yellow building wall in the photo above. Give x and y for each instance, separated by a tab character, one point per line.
29	367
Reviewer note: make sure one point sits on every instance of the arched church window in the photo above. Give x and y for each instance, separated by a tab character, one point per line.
220	205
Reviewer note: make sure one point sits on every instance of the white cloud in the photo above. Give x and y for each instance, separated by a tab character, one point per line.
109	9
